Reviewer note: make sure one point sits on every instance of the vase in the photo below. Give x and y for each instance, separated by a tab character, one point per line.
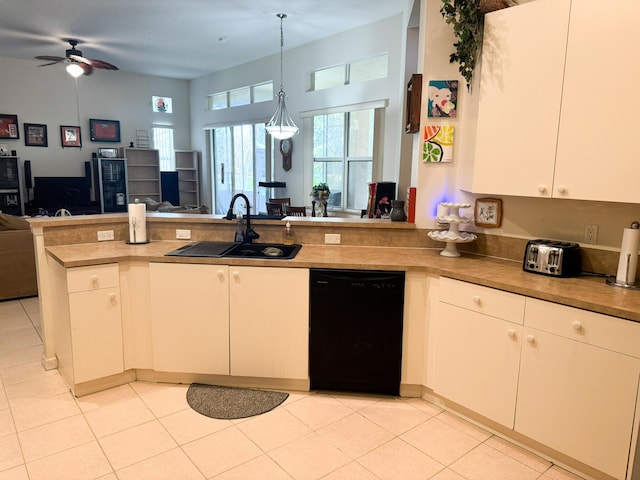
397	211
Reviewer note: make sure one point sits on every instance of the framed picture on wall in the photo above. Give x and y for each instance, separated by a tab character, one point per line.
9	126
104	130
488	212
70	136
35	135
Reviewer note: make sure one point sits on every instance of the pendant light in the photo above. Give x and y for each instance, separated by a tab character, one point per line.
281	125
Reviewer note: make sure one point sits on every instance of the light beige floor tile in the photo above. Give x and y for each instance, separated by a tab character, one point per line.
318	410
136	444
79	463
447	474
440	441
486	463
10	452
188	425
171	465
357	401
355	435
16	473
118	416
28	338
11	309
6	422
464	426
395	415
520	454
221	451
18	357
397	459
421	404
30	304
25	372
309	458
167	400
263	468
54	437
142	388
4	402
38	389
351	471
106	397
38	413
557	473
110	476
274	429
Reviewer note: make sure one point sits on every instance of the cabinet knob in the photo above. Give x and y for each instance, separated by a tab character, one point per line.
236	275
542	188
577	326
476	299
531	339
220	274
562	189
113	298
511	332
94	281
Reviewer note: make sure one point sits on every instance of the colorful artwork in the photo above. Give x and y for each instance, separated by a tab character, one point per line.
438	143
162	104
443	98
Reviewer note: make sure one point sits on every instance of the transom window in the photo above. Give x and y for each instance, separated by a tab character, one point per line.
370	68
260	92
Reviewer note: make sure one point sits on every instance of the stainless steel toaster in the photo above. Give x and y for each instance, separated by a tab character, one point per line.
551	257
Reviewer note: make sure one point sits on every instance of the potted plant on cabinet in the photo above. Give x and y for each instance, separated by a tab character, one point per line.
467	18
320	194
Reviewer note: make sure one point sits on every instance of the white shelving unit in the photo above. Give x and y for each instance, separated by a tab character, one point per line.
188	183
143	174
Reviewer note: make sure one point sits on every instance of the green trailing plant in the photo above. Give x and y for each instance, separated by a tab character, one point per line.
320	190
468	25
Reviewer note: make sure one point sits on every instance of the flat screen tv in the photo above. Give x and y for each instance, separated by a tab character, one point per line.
53	193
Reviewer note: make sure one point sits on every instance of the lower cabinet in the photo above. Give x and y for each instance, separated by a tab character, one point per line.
88	332
244	321
190	317
564	377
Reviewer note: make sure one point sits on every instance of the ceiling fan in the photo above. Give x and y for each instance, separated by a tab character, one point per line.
74	57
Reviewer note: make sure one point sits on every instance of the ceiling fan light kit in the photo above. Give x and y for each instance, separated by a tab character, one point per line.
74	70
281	125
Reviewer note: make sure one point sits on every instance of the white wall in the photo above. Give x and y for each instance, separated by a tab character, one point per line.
47	95
523	216
385	36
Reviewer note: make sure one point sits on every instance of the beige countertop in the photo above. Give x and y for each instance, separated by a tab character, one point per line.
589	293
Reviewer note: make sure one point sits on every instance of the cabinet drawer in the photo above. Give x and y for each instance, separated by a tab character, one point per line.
82	279
592	328
499	304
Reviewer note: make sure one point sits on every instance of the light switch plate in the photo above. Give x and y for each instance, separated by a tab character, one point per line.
183	234
332	238
104	235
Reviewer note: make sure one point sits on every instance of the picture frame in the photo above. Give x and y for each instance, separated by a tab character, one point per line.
488	212
9	126
70	136
104	130
35	135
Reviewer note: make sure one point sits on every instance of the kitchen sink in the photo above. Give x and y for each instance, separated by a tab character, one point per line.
237	250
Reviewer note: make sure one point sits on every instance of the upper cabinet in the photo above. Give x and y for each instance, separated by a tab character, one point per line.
556	102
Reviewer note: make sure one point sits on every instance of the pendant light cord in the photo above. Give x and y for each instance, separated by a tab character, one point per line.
281	16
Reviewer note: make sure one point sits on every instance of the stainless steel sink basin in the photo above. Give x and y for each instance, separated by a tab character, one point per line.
237	250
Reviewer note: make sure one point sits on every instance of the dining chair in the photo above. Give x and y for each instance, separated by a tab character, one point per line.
296	211
275	209
283	200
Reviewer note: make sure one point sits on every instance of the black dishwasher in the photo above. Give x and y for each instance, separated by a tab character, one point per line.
355	335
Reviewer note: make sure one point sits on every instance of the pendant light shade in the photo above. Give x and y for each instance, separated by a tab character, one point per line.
281	125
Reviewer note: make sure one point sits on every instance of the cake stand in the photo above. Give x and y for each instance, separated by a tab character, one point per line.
453	235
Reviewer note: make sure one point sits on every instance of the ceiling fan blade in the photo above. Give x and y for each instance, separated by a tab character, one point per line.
50	58
87	69
94	63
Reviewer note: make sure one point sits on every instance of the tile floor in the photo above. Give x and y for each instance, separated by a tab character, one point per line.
147	431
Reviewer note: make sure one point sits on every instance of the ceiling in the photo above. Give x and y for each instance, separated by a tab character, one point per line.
177	38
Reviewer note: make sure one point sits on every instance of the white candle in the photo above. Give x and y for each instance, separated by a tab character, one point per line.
137	223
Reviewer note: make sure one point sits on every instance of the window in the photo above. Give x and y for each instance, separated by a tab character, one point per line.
370	68
260	92
163	142
239	161
343	156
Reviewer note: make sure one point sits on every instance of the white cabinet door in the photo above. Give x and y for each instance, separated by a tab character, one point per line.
96	334
190	318
476	361
578	399
269	322
598	148
520	93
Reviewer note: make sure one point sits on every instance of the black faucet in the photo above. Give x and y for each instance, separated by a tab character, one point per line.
249	234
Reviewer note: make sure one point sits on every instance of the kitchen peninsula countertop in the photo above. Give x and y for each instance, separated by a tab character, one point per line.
589	293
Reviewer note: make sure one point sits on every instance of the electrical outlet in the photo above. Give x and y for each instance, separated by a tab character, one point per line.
183	234
591	234
104	235
332	238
